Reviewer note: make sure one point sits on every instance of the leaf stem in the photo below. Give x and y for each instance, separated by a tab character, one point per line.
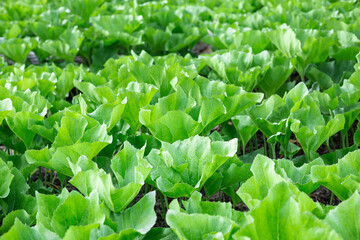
40	174
51	176
265	148
166	202
273	150
285	150
221	195
331	198
342	140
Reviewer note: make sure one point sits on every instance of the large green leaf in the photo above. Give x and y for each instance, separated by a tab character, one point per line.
264	178
78	135
272	116
17	197
130	166
239	68
5	108
300	176
6	178
215	103
195	205
22	232
245	127
279	213
59	214
285	40
279	71
83	8
141	217
130	170
119	27
205	215
138	95
10	219
309	126
183	225
17	49
66	46
183	166
344	219
343	178
19	124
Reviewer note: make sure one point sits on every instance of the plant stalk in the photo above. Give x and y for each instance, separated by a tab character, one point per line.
331	198
273	150
265	148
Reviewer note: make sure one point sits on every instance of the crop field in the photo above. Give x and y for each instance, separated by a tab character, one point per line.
179	119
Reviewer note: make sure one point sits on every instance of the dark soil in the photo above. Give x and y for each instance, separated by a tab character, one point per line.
323	195
201	48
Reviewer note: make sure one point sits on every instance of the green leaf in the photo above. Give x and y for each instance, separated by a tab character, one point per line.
130	166
78	135
122	28
71	130
178	41
183	166
314	50
6	178
239	68
183	225
109	113
218	103
22	232
59	49
160	234
83	8
77	210
344	219
17	49
264	178
300	176
141	217
257	39
278	73
279	213
285	40
80	232
10	219
19	124
343	178
324	80
60	159
138	95
245	127
46	31
130	170
195	205
156	38
309	126
5	108
159	118
17	197
65	81
97	94
47	205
